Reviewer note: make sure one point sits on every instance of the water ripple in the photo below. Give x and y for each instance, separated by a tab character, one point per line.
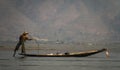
29	65
4	59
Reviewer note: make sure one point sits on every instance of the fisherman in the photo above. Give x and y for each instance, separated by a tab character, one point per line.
21	42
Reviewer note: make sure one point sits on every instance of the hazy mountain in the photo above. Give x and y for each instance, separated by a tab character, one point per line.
69	20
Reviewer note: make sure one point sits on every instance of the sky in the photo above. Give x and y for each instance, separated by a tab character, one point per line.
65	20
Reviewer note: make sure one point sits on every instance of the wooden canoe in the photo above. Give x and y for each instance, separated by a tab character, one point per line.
76	54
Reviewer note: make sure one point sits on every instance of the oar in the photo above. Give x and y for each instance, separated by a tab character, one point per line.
35	39
37	45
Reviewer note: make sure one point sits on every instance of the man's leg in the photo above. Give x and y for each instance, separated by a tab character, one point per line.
23	48
16	48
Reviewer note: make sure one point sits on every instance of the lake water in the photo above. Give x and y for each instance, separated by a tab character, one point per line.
94	62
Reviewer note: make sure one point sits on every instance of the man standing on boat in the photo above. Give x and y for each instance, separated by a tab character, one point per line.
21	42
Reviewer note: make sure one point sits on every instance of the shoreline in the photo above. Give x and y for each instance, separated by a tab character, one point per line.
6	48
29	48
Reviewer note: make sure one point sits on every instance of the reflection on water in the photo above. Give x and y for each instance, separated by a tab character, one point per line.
95	62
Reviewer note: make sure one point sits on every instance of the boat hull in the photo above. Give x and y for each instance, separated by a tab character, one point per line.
77	54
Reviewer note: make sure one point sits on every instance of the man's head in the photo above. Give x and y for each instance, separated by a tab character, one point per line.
25	33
